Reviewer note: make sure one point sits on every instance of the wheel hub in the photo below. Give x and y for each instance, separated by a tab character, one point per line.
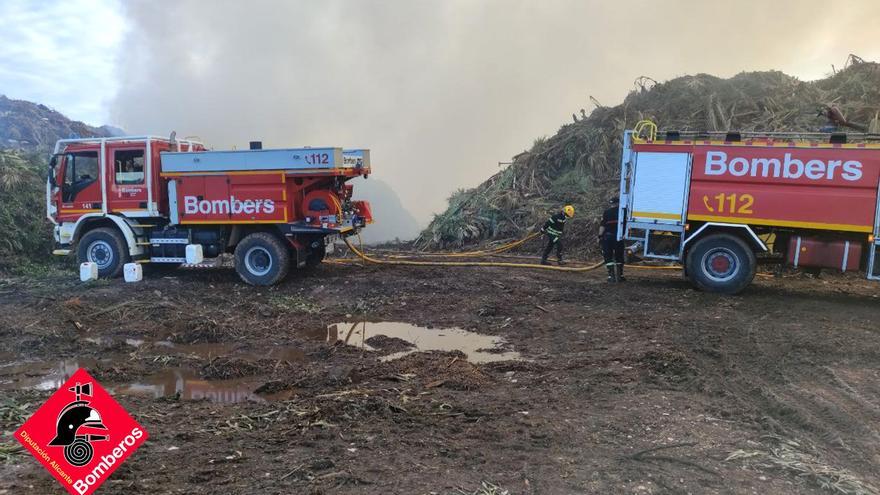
100	253
258	261
720	264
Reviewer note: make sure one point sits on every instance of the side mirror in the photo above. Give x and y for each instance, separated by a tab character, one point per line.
52	163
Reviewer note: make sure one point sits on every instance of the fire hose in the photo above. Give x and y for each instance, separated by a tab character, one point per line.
471	254
409	262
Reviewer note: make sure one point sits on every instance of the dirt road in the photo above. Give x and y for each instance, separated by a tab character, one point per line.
570	386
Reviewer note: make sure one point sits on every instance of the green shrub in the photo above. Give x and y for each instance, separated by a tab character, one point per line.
25	233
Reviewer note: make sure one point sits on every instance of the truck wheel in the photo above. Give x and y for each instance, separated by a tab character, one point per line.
721	263
262	259
106	248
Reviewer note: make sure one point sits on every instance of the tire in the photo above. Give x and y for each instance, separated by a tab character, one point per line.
721	263
262	259
106	247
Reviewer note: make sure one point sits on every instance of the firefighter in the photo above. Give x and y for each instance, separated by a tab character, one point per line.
553	230
612	249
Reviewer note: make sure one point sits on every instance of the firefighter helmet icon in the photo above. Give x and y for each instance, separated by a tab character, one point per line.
78	414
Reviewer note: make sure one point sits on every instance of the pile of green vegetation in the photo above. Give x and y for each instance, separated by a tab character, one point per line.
580	164
25	233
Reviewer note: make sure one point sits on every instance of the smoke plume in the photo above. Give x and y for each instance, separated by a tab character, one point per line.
441	91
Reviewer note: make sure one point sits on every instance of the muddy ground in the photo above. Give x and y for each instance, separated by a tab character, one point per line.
582	387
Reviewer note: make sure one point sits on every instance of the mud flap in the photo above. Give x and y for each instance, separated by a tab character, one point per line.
300	252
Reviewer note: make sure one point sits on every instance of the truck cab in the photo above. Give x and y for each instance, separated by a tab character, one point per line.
114	176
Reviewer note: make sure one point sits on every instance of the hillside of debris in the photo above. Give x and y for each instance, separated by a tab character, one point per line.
580	164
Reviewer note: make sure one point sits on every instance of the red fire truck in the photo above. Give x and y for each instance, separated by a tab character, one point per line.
720	203
166	201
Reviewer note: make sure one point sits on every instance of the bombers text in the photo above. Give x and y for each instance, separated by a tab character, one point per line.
717	163
192	205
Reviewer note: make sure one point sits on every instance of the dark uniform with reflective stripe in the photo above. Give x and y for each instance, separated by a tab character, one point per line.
553	229
612	249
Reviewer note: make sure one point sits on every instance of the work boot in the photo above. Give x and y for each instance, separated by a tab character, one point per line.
611	273
544	261
620	273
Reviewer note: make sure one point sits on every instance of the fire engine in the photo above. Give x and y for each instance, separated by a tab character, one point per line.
169	201
721	203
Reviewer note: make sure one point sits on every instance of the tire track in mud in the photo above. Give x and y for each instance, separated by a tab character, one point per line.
786	380
613	370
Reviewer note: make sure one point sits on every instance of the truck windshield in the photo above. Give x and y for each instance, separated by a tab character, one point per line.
80	170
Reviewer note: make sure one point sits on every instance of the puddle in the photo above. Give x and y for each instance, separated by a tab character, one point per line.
186	384
400	339
209	351
40	375
477	347
110	341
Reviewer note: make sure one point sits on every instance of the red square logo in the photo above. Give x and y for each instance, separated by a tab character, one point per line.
81	435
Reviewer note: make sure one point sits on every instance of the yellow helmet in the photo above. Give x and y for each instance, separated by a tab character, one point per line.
569	211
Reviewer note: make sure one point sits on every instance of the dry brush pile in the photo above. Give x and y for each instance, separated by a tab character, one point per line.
580	164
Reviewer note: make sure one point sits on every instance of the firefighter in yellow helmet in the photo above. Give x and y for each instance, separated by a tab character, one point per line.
553	228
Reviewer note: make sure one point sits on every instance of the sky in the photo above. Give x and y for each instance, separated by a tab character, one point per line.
62	53
439	90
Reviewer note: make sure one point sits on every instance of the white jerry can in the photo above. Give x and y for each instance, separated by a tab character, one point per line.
134	272
194	254
88	271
